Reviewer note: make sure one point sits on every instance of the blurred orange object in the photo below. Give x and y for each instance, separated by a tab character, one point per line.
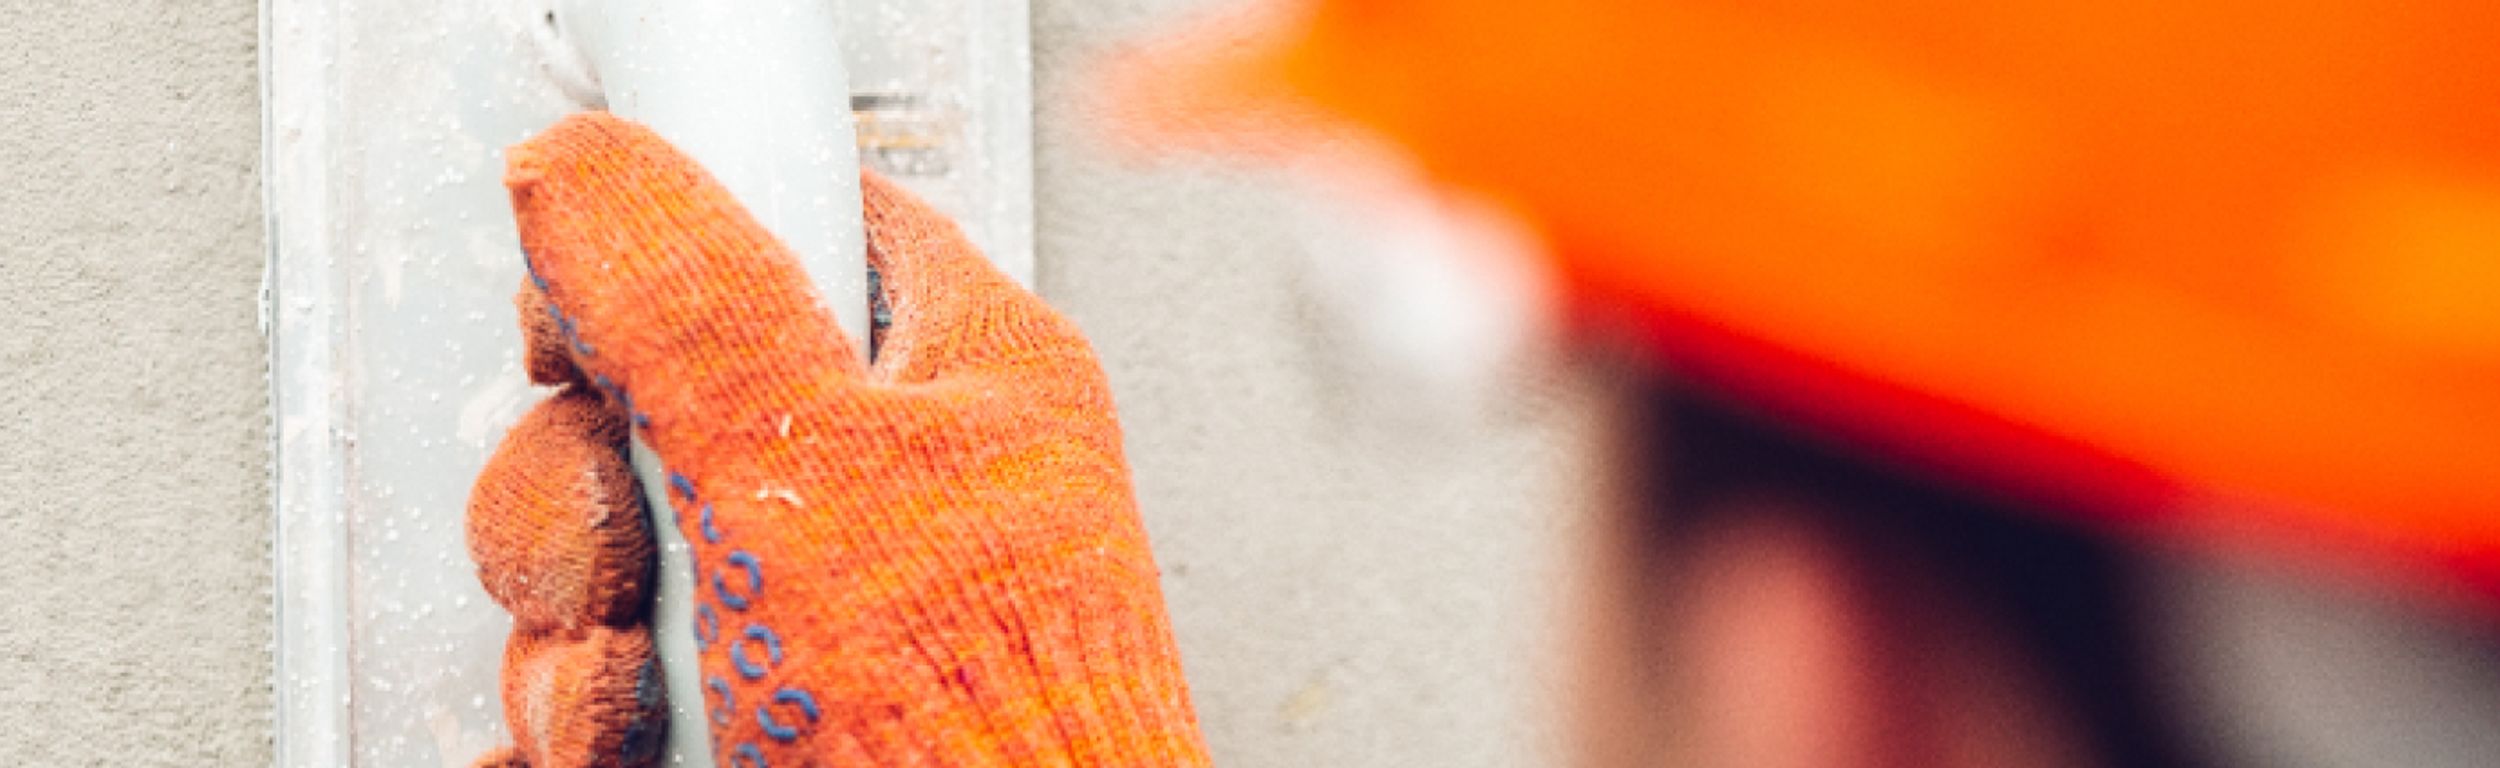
2229	268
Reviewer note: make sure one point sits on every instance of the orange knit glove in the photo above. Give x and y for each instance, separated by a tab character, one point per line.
557	530
934	560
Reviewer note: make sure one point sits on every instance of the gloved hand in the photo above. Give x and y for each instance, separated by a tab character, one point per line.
932	560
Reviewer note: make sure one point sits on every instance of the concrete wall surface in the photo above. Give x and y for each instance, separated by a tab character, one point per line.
1348	591
1355	581
134	629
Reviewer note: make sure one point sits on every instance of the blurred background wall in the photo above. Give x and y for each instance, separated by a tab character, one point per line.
1357	578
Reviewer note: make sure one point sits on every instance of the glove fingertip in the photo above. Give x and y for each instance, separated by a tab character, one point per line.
554	523
546	355
592	698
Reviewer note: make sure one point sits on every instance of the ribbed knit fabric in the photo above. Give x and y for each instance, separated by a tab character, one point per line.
556	528
935	560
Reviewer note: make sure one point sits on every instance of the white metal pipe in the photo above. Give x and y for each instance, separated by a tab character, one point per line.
757	93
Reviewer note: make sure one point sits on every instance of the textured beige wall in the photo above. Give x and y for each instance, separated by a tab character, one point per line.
1356	580
1348	592
134	629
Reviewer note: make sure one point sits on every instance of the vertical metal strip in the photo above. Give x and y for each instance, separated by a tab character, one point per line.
310	601
1001	56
